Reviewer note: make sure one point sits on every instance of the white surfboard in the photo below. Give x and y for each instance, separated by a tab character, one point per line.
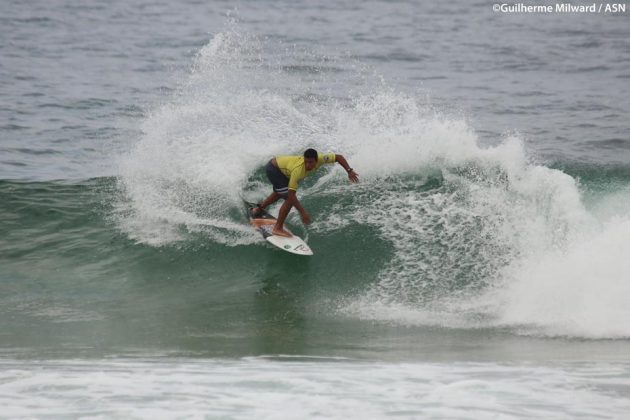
264	224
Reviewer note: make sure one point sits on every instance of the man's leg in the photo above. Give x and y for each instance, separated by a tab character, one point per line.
278	229
268	201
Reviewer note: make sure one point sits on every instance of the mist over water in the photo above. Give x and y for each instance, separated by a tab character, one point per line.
476	233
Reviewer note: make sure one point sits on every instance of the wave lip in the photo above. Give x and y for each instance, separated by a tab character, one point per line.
496	242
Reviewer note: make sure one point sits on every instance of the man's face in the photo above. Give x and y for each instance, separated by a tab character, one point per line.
309	163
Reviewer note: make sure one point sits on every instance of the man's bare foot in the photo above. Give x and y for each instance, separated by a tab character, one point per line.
281	232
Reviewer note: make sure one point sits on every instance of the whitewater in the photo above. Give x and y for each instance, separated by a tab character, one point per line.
480	236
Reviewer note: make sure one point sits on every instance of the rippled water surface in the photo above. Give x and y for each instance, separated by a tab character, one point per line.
479	270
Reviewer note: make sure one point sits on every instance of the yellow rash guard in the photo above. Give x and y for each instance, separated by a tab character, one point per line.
293	167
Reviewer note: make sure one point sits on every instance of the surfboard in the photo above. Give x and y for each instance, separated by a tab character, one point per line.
264	224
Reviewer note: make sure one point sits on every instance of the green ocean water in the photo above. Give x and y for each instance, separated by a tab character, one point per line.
74	281
74	284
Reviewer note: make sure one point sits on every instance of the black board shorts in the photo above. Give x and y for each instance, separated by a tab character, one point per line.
279	181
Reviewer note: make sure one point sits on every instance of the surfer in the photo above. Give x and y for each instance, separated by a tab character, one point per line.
285	172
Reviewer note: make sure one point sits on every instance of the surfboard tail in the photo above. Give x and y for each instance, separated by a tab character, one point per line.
264	223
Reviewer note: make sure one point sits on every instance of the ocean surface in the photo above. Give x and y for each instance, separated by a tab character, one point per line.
479	269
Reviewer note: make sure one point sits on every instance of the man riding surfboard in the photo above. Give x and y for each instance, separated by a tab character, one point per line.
285	173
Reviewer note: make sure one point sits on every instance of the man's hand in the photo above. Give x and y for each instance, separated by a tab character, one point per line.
352	176
306	218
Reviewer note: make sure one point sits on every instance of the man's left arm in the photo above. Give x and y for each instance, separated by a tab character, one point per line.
352	175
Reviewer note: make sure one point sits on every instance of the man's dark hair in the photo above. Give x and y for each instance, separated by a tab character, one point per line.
310	154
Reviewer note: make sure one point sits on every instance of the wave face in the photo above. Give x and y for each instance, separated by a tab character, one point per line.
441	232
475	236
